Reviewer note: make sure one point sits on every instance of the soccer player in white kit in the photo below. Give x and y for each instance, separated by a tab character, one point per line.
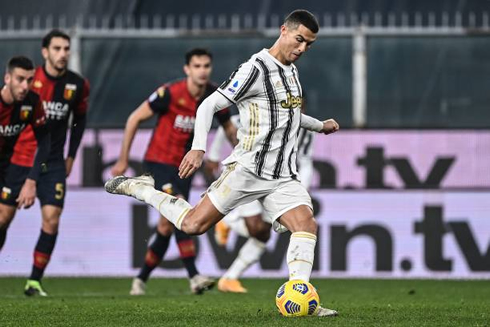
247	220
262	166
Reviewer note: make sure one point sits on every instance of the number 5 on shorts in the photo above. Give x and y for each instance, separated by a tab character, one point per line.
60	192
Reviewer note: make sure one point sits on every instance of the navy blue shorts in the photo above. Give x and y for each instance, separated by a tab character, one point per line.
164	174
12	179
51	185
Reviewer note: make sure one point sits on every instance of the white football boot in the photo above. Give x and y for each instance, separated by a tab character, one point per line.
127	185
200	283
138	287
324	312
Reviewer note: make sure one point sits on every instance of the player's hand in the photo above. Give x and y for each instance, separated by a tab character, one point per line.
27	194
119	168
330	126
68	165
191	162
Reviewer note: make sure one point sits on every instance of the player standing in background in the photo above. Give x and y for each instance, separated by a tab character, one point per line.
63	93
175	104
262	167
19	108
247	220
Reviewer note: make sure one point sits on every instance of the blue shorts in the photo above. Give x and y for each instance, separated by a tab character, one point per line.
12	179
164	174
51	186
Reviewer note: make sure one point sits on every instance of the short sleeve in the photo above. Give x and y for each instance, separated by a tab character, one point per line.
159	100
241	84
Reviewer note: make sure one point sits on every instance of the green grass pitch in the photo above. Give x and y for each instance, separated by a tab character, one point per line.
105	302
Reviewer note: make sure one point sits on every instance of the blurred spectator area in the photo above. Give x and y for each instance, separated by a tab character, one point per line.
376	64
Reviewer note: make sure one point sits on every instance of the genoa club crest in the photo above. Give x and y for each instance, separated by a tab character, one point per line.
6	192
25	112
69	91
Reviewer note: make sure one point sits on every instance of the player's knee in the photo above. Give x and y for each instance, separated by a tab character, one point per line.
194	225
51	224
5	219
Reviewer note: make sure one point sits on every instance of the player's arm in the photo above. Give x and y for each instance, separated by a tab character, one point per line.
142	113
27	194
77	127
328	126
204	119
213	156
157	103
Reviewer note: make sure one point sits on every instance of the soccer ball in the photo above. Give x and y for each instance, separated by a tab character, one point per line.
297	298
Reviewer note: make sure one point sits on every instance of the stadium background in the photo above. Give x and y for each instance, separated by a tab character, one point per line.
401	191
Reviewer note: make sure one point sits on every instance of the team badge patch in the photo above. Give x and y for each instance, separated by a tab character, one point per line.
25	112
181	101
161	92
69	91
6	193
38	84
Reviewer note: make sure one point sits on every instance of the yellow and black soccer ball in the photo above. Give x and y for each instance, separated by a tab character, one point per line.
297	298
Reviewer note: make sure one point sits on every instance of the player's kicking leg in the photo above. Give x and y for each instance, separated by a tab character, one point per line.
197	220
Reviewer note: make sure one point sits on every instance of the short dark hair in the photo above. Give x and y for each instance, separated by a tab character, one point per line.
54	33
302	17
197	52
19	62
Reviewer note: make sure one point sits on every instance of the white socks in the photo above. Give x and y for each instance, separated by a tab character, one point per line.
172	208
300	256
249	254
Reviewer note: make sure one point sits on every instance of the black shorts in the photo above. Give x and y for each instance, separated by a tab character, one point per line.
164	174
51	185
12	178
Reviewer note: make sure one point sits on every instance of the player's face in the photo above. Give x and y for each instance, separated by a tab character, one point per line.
57	53
295	42
18	82
199	70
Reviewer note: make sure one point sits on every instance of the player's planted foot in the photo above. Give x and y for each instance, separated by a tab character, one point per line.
126	185
33	287
231	286
221	232
138	287
324	312
200	283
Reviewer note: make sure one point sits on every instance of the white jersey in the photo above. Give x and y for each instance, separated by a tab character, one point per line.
268	96
305	150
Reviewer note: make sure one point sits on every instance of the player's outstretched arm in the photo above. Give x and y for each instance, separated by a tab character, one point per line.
142	113
204	119
328	126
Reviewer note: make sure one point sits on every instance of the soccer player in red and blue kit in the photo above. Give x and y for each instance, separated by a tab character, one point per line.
19	108
63	93
175	104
